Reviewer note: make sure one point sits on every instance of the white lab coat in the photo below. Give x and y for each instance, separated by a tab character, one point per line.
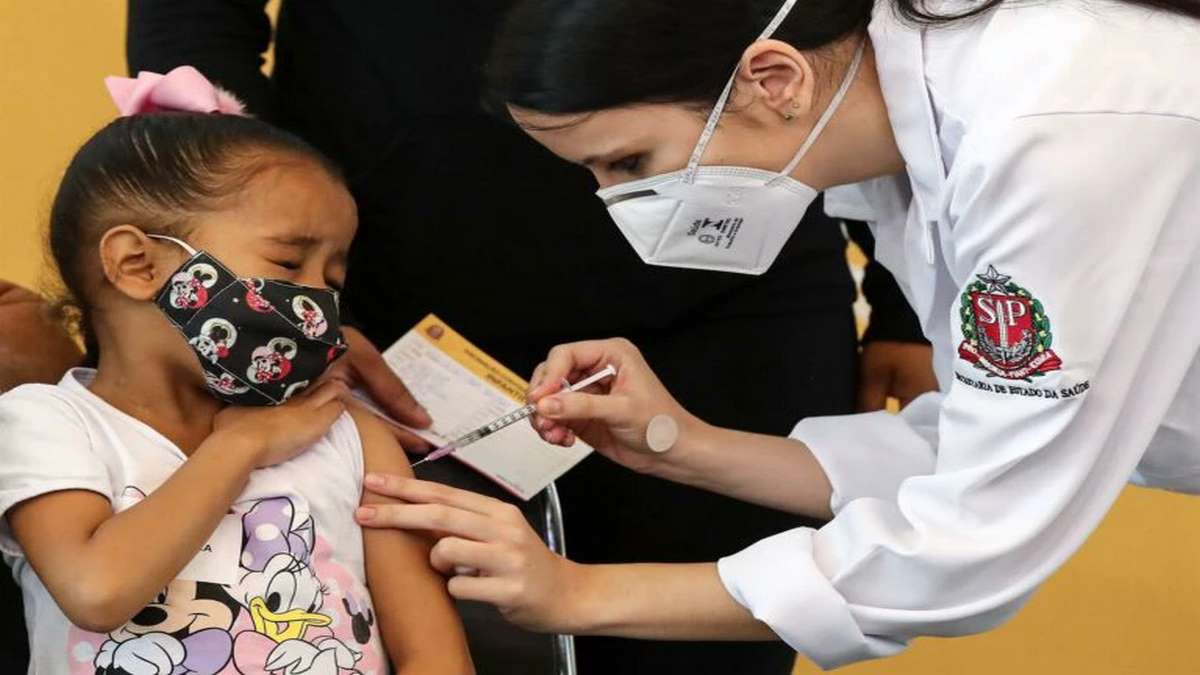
1057	144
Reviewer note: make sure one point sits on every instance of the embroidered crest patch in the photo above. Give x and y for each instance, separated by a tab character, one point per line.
1005	329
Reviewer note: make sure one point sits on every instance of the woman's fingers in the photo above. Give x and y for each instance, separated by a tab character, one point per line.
426	492
579	406
444	520
493	590
452	554
567	359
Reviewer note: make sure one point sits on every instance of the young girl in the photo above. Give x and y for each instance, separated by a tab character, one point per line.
155	528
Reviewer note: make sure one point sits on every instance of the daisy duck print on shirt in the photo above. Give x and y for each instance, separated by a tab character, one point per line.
292	608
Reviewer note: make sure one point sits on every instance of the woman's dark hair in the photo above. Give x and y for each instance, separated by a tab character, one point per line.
578	56
155	171
914	10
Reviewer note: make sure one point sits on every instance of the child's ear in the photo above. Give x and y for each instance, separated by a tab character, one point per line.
134	263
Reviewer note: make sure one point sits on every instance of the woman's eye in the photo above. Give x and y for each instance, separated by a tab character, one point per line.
286	264
630	164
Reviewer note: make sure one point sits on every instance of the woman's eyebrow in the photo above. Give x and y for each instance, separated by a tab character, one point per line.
605	157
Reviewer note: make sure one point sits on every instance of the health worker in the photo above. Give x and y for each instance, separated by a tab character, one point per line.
1031	172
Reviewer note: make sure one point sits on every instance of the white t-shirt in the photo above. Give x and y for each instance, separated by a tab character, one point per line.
280	582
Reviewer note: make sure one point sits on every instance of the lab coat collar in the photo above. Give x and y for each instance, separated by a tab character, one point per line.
899	56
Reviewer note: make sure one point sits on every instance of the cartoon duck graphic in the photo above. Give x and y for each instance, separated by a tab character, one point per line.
284	597
273	620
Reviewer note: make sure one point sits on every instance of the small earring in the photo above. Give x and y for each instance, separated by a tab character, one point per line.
788	117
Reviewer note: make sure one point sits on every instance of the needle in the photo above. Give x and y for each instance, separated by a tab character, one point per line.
510	419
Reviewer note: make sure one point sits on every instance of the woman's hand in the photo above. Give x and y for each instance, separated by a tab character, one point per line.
485	546
611	416
279	433
492	555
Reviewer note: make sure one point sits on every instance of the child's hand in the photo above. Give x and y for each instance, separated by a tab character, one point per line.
279	433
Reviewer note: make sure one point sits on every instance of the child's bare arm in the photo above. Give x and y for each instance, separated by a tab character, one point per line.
102	568
416	617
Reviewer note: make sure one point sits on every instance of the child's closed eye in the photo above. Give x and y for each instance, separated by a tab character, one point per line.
286	264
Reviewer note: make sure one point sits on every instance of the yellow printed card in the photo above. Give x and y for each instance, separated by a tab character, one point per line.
463	389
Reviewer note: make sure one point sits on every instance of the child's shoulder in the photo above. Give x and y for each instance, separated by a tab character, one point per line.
341	445
344	434
38	404
38	421
378	447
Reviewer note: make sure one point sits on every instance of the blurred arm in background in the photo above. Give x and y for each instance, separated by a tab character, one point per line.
33	347
896	360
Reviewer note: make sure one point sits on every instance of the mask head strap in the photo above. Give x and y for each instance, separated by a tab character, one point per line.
834	104
710	127
186	246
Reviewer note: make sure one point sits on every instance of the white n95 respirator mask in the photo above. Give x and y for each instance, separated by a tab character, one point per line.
719	218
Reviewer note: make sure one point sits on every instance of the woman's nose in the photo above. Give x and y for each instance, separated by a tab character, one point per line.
603	179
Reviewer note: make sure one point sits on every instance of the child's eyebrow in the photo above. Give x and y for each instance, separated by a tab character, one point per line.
303	241
296	241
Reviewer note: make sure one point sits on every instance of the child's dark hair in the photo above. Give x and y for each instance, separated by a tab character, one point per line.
155	171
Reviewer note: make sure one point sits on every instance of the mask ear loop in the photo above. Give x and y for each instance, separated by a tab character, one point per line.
710	127
823	121
187	247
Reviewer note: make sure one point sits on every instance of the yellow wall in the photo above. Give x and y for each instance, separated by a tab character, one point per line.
54	55
1128	604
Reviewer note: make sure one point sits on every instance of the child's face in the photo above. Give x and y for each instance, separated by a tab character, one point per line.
291	222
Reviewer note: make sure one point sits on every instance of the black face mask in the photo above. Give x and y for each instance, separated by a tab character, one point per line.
259	341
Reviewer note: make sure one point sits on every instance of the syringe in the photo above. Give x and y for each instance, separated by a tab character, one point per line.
510	419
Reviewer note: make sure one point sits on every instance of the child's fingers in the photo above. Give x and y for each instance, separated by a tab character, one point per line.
323	393
324	416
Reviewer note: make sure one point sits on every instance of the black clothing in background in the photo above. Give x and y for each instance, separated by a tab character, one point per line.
14	642
464	216
891	318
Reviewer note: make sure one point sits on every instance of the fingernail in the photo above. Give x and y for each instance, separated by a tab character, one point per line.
550	406
365	513
374	480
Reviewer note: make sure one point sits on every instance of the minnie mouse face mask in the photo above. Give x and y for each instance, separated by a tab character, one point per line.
259	341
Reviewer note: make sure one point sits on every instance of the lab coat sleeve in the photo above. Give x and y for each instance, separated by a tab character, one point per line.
950	515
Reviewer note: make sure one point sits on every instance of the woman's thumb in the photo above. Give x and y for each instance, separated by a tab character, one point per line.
570	406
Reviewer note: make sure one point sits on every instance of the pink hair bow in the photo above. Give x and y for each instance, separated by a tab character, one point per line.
183	89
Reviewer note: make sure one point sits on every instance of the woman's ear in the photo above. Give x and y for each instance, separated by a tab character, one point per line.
780	76
134	264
